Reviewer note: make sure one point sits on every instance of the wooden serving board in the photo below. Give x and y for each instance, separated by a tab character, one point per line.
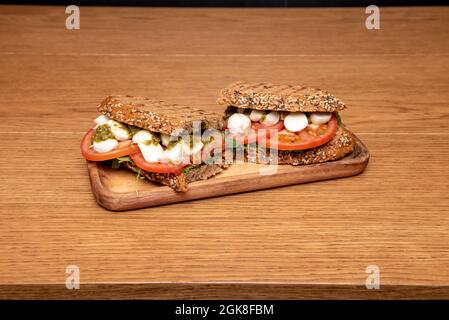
120	189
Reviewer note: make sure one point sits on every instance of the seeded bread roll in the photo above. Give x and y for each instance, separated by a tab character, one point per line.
266	96
157	116
180	183
341	145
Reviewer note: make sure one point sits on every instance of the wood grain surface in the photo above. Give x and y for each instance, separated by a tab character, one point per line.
311	240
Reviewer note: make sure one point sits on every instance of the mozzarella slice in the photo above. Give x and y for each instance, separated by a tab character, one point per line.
271	119
176	154
196	146
102	119
143	136
165	139
151	152
256	115
295	121
239	123
320	117
120	131
185	145
105	146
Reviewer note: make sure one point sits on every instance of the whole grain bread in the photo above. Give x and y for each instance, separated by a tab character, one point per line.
341	145
266	96
157	116
180	183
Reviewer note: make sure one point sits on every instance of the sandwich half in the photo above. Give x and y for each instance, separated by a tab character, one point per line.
162	142
302	124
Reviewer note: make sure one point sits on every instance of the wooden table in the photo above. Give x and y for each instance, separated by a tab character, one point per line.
304	241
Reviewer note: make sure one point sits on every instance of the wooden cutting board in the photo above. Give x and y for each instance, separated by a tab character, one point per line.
120	189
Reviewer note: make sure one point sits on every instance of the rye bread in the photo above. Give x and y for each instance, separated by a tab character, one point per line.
157	116
266	96
180	183
341	145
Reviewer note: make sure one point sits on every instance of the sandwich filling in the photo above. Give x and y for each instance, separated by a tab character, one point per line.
281	130
149	151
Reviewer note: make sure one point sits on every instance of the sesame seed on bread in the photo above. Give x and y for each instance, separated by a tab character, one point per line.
157	116
266	96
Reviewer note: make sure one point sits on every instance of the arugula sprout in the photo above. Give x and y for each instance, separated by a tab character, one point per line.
138	177
133	129
188	168
340	123
118	161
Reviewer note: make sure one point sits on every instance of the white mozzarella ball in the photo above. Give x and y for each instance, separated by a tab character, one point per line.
105	146
295	121
142	136
163	158
151	152
176	154
320	117
271	119
185	145
197	145
256	115
166	139
101	120
119	130
239	123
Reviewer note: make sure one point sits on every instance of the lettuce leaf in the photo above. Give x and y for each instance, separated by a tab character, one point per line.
340	123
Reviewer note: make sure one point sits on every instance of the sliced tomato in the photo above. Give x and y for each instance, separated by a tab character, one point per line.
278	126
158	167
124	148
308	138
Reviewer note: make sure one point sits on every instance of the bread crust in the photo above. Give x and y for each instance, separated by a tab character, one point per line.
341	145
267	96
180	183
157	116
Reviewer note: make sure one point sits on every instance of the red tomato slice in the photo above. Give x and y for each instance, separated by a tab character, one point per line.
278	126
124	148
158	167
307	138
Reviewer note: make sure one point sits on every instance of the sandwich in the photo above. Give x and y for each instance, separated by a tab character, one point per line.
169	144
301	124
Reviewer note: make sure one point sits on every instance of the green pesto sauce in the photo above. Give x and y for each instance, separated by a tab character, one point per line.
103	133
155	141
133	130
208	139
173	143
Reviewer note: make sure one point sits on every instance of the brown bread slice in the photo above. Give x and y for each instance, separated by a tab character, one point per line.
180	183
157	116
266	96
341	145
